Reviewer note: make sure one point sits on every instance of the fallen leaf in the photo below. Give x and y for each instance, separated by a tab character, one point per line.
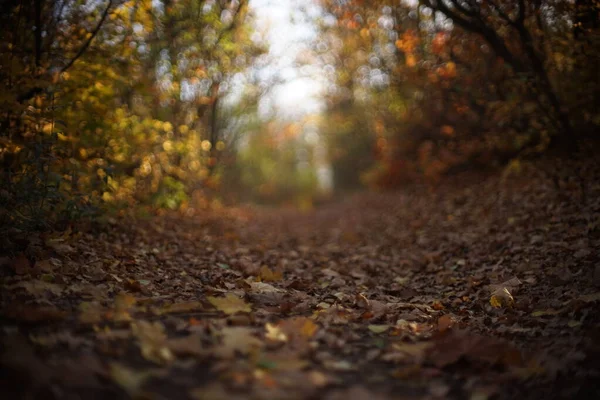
48	265
378	328
407	352
59	246
590	298
237	339
444	323
185	307
437	305
129	379
275	334
261	287
34	314
152	341
21	265
190	345
214	391
339	365
53	339
123	303
268	275
230	304
38	288
132	285
501	298
543	313
455	345
90	312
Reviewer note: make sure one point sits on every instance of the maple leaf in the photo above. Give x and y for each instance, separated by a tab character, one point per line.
237	339
230	304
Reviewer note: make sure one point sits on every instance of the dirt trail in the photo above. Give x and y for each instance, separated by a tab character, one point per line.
479	290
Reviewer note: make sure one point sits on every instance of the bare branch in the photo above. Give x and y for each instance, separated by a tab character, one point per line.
501	13
521	17
89	41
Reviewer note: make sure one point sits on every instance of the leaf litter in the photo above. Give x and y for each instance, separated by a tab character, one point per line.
466	291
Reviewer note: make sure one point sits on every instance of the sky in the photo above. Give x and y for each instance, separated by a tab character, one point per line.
290	29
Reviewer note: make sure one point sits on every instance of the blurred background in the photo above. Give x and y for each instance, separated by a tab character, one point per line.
190	104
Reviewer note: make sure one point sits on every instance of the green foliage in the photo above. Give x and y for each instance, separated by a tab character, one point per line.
273	165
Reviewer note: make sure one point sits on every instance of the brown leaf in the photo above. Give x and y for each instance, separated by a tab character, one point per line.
268	275
455	345
185	307
39	288
21	265
230	304
237	340
190	345
152	341
33	314
444	323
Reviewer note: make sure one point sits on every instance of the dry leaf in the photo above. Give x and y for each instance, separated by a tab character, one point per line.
590	298
268	275
239	340
407	352
261	287
90	312
502	298
38	288
230	304
190	345
131	380
152	341
32	313
185	307
275	334
378	328
123	303
21	265
444	323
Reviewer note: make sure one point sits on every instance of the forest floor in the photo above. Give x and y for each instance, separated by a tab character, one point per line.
475	289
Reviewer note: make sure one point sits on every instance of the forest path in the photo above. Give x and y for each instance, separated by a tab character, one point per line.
474	290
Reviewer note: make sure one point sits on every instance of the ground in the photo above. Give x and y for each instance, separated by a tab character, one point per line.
476	288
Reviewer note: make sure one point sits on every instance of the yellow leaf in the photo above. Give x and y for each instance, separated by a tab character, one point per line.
230	304
152	341
268	275
378	328
274	333
502	298
239	340
543	313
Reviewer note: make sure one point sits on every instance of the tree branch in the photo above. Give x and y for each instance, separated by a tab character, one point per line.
89	41
501	13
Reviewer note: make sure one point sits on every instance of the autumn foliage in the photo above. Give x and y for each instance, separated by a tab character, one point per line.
448	85
114	103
